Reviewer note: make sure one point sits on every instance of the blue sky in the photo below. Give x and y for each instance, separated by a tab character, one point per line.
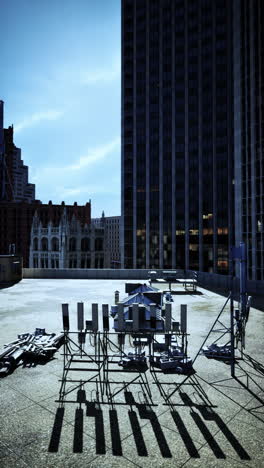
60	80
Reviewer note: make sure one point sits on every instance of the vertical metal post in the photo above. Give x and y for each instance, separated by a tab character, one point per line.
80	316
243	280
232	336
232	316
120	317
183	318
65	317
105	317
116	297
135	316
95	317
167	317
152	308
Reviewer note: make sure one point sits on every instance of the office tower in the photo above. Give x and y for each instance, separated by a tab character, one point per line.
111	225
248	26
1	128
14	185
177	128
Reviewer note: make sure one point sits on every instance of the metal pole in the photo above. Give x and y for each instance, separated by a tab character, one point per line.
243	280
232	337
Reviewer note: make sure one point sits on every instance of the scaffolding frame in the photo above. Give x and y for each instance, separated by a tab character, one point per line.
108	349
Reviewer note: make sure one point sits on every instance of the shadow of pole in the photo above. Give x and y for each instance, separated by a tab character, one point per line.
218	452
78	431
210	415
94	410
115	433
188	442
146	412
137	433
56	431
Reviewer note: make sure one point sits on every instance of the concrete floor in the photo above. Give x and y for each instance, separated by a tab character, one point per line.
212	421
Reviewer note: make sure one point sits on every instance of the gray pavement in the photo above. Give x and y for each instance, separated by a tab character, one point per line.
212	421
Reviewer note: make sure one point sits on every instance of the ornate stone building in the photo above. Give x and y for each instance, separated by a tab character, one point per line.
68	242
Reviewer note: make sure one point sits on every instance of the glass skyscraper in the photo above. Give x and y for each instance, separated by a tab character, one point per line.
177	134
248	27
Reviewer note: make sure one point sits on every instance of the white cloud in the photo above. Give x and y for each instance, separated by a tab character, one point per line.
88	189
72	75
94	155
104	75
36	118
67	178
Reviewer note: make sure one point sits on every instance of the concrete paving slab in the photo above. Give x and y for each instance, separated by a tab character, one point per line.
31	435
35	382
207	460
109	460
156	445
242	443
13	461
181	435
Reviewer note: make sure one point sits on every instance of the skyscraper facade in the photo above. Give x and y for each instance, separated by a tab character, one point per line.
248	27
177	130
14	184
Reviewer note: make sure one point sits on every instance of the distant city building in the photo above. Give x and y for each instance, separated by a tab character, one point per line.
15	228
16	223
111	225
14	184
64	237
10	268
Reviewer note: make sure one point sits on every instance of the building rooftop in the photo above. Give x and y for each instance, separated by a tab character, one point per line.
213	420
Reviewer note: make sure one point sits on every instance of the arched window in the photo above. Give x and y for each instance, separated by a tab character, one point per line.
35	243
98	245
44	243
85	244
72	246
55	244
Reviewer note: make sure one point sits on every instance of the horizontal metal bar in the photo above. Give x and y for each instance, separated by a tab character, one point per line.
121	382
128	332
105	402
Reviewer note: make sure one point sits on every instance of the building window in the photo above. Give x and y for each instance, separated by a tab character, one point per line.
85	244
54	261
35	243
44	244
72	246
44	262
55	244
98	245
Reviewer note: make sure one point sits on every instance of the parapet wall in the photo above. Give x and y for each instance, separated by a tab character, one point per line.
218	283
79	273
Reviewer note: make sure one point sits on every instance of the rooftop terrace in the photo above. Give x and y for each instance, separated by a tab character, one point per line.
211	421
